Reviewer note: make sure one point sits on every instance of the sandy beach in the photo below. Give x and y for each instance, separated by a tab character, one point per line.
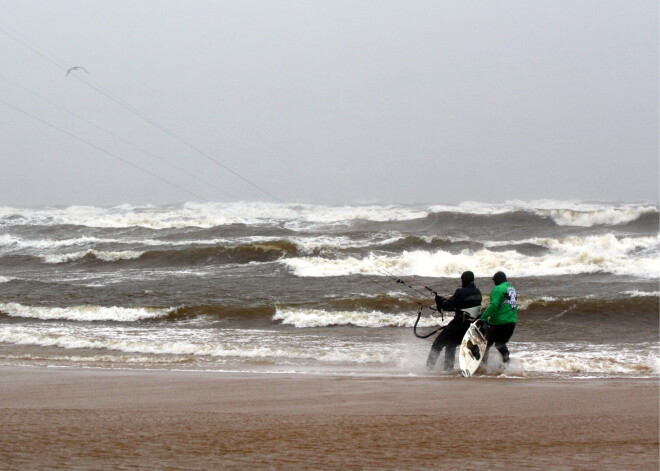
100	419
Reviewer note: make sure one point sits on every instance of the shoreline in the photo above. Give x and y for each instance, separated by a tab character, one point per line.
61	418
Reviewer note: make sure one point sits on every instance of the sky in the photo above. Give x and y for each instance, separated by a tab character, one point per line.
328	102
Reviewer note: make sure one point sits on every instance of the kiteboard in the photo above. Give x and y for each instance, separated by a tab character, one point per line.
472	350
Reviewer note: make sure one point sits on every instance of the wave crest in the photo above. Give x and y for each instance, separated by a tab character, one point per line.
254	252
91	254
632	256
208	215
375	319
563	213
83	313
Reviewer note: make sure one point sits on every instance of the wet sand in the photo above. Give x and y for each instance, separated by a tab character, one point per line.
97	419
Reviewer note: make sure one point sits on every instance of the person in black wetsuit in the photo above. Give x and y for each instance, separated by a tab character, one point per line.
466	297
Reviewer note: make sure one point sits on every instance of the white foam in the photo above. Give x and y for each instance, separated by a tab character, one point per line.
596	216
12	242
564	213
227	345
83	313
206	215
374	319
121	359
578	358
607	243
309	245
20	243
632	256
642	294
400	295
106	256
308	348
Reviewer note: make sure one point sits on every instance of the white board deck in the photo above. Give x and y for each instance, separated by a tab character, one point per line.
467	360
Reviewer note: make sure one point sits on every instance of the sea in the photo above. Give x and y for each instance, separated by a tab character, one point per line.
308	289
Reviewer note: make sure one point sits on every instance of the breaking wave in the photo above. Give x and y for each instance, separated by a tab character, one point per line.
207	215
105	256
631	256
320	318
394	309
82	313
204	215
563	213
642	294
217	284
255	252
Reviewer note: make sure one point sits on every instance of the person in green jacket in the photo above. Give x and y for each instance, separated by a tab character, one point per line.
500	317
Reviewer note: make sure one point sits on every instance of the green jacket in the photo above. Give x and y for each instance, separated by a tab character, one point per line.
503	307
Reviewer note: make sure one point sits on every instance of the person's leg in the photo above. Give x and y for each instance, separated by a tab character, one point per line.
450	354
488	345
436	348
504	351
501	335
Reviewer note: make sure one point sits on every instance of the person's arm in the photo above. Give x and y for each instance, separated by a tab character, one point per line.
444	304
495	300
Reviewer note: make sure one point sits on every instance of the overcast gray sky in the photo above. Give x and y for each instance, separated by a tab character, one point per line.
329	101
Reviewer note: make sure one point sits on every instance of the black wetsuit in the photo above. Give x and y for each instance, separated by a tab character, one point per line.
451	336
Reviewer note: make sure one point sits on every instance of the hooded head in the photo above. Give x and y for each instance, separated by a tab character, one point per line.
467	278
499	278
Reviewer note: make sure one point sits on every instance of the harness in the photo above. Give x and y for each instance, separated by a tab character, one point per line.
470	314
